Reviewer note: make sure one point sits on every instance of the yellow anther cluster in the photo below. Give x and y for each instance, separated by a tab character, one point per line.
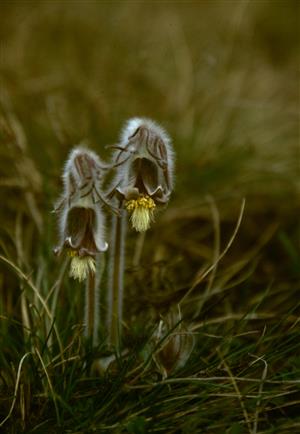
72	253
141	210
141	202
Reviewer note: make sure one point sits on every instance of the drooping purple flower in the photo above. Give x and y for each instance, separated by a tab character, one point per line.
81	219
145	166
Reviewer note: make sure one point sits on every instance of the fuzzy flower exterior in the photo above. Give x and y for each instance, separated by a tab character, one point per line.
144	163
81	219
177	343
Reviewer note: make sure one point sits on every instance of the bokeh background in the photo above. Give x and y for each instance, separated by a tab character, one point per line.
223	78
220	76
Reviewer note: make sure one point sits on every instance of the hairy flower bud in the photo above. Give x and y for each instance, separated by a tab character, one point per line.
145	165
81	219
175	343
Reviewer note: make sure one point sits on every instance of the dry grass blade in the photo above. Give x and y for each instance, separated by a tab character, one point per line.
216	225
212	267
260	391
237	390
37	293
49	383
16	389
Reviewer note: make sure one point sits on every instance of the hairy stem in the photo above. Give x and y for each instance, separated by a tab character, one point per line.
116	280
92	302
89	305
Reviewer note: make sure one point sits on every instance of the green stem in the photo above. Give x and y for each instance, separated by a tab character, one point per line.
89	306
92	302
116	280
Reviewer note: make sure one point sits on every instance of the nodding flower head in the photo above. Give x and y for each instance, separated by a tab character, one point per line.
144	162
81	219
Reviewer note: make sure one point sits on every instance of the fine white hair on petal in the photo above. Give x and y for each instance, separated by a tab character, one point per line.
99	231
134	123
82	179
134	144
71	171
63	217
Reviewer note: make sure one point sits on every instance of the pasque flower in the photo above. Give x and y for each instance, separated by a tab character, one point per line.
144	179
81	219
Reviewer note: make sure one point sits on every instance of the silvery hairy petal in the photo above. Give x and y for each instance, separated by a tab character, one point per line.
81	219
144	160
144	164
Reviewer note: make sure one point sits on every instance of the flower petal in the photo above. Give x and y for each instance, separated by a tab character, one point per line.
80	227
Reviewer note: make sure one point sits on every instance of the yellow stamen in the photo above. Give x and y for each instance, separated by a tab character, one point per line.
141	210
80	267
72	253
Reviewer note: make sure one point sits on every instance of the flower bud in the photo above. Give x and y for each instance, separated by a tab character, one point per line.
175	343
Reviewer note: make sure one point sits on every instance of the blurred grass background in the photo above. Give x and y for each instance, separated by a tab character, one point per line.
223	78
